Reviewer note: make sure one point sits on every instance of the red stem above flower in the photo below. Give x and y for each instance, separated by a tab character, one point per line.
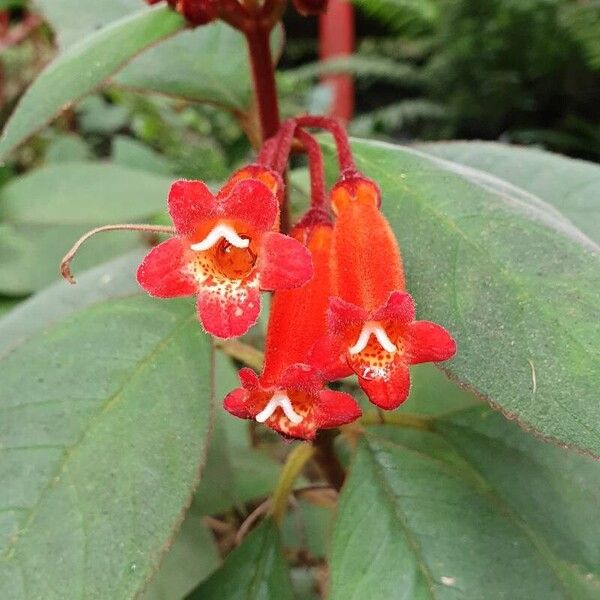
337	130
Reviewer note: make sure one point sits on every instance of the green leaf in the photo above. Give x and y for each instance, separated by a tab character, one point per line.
222	76
73	20
171	68
83	67
517	285
193	557
67	148
45	211
131	153
497	515
102	443
256	570
113	279
569	185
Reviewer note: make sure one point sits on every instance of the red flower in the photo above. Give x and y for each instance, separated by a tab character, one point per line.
290	396
226	251
372	321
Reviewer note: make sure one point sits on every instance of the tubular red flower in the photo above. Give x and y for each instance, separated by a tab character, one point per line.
226	250
290	396
373	331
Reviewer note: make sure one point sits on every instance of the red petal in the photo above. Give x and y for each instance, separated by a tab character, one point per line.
335	409
160	273
341	313
252	202
235	403
391	392
399	307
283	262
429	342
228	309
190	203
301	377
248	379
329	357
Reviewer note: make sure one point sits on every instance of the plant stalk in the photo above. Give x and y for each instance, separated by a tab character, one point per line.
263	75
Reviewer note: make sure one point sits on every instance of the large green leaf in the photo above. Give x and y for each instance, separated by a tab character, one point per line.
45	211
256	570
571	186
207	64
113	279
101	441
478	509
83	67
517	285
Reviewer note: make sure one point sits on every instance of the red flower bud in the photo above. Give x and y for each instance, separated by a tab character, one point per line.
311	7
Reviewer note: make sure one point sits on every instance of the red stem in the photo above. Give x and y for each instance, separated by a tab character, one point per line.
263	74
317	170
344	151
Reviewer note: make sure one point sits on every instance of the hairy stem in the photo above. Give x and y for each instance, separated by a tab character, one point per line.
263	75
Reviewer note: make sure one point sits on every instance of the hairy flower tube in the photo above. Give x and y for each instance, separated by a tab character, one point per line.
371	317
226	250
290	395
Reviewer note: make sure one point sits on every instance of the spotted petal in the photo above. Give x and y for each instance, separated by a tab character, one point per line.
228	309
161	273
390	391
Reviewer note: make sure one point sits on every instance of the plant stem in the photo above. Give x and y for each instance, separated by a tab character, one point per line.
294	464
327	459
263	75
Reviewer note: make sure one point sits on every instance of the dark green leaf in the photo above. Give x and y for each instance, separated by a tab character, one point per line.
256	570
571	186
83	67
193	557
489	518
113	279
45	211
102	443
517	285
